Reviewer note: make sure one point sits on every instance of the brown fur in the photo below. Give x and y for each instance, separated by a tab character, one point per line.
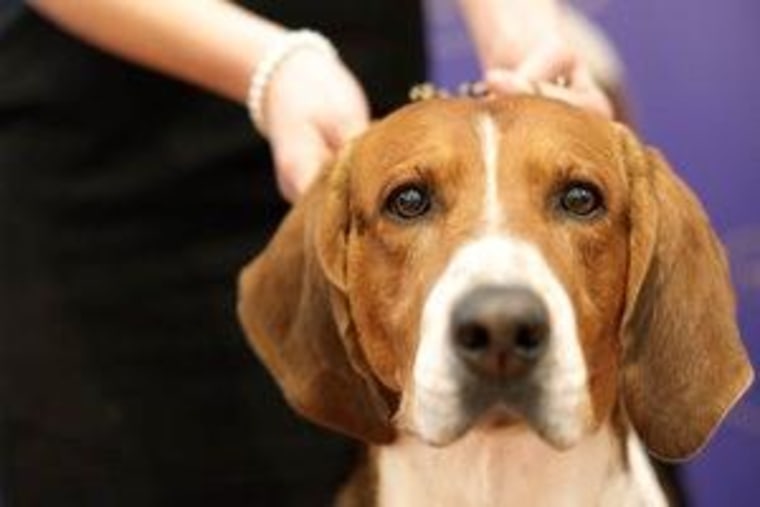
686	364
333	305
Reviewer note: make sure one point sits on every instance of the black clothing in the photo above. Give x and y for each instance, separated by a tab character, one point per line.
128	203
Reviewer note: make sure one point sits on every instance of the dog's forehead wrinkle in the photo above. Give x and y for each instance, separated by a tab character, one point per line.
437	151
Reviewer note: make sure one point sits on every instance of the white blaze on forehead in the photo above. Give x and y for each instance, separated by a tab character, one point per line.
436	409
488	133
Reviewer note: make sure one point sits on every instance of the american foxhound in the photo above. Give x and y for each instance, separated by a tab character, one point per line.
510	300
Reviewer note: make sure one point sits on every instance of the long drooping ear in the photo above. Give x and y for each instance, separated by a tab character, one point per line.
685	365
294	313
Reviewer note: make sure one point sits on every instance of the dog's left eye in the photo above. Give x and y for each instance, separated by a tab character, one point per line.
408	201
581	199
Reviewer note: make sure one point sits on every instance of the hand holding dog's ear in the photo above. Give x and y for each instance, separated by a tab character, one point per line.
313	106
554	71
541	47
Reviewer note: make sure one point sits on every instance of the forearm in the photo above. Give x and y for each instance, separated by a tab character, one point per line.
213	44
499	25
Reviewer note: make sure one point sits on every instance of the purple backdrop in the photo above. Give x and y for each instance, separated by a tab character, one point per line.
694	77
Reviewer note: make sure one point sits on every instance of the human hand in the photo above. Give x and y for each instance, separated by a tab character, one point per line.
313	105
552	69
528	46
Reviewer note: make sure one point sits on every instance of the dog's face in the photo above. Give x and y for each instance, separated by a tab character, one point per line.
467	262
486	268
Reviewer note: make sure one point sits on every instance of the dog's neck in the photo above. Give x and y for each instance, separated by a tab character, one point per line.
513	466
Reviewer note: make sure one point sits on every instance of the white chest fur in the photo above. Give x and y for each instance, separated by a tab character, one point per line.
513	467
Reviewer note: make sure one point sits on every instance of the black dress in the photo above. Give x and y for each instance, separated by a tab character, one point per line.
128	203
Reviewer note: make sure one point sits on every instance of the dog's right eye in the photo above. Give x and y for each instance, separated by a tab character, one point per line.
581	200
408	202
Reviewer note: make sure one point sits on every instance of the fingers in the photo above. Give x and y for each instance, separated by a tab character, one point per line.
341	128
298	156
591	100
305	150
583	92
552	71
508	82
314	107
549	62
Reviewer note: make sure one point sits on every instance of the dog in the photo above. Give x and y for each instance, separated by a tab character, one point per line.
510	300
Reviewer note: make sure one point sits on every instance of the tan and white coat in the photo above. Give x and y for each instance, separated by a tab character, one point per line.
350	308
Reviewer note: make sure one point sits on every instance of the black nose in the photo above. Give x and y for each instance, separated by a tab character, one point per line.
500	331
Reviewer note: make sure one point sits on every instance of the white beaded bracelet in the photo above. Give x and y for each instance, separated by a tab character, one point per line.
272	59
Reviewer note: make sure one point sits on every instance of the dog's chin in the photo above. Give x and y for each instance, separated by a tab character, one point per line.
560	437
560	431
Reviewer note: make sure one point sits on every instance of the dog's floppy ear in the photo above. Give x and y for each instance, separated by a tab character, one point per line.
685	365
294	313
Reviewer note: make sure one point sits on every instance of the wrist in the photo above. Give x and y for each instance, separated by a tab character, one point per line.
272	58
505	31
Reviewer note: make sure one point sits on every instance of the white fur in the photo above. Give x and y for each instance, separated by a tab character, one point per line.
489	139
516	465
435	408
642	475
513	467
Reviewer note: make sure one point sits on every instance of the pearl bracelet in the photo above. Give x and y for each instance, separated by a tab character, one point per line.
272	59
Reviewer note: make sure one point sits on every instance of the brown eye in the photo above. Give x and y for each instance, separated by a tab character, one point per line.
408	202
580	199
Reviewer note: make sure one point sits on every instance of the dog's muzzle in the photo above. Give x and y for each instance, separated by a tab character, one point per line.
500	332
499	344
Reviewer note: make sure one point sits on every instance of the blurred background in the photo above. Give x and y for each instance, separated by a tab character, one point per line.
693	78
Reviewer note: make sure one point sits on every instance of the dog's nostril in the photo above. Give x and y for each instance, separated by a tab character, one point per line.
500	331
473	337
529	340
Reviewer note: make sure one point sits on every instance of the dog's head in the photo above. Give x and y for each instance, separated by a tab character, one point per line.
513	260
